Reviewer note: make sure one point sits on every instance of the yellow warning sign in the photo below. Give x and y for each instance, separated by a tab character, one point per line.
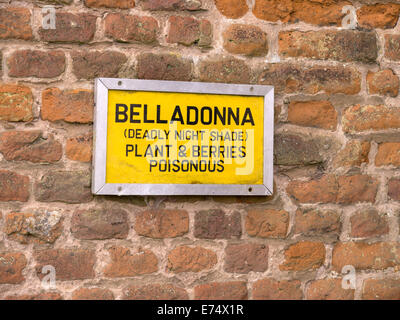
184	138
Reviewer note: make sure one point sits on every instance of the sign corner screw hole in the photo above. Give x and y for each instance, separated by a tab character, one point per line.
250	189
120	83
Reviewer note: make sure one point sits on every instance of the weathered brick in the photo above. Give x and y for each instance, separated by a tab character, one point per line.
388	154
381	289
95	64
266	223
233	9
328	289
92	294
67	105
162	223
189	31
392	47
190	259
234	290
245	39
354	154
323	13
80	148
363	118
29	146
39	227
368	223
64	186
246	257
36	63
155	291
125	264
69	264
11	266
78	28
271	289
384	82
216	224
128	28
164	67
14	187
171	5
38	296
344	45
15	23
120	4
304	256
380	15
291	78
100	224
15	103
317	114
316	222
357	188
394	189
226	70
364	256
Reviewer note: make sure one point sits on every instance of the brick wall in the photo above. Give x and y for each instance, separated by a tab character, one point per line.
337	154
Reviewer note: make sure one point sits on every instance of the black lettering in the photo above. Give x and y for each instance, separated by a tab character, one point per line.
118	113
133	106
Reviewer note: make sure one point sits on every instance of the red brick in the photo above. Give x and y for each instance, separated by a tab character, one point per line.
234	290
160	224
368	223
120	4
128	28
69	264
15	103
36	63
14	187
80	148
226	70
363	118
315	222
328	289
384	82
364	256
381	15
15	23
381	289
246	257
188	31
95	64
164	67
155	291
394	189
171	5
190	259
388	154
357	188
125	264
323	13
354	154
343	45
245	39
64	186
12	265
216	224
100	224
392	47
39	227
271	289
304	256
233	9
78	28
92	294
39	296
29	146
317	114
291	78
67	105
266	223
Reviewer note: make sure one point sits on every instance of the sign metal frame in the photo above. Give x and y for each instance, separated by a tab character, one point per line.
99	185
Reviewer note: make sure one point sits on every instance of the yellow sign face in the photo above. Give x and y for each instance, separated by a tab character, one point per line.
184	138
